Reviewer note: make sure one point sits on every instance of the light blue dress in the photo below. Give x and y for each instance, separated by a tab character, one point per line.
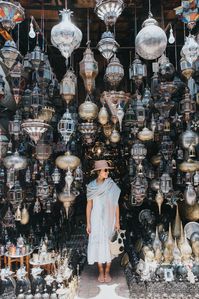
103	215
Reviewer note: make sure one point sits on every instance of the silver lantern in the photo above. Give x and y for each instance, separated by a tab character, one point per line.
66	126
66	36
15	161
138	152
9	53
109	10
107	45
3	144
114	72
166	183
137	71
68	86
151	41
35	128
36	57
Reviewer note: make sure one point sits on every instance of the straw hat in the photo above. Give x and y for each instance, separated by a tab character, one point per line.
101	164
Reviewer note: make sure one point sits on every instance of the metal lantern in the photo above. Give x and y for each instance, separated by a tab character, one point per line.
139	111
138	190
109	10
145	134
151	41
15	125
137	71
67	161
36	57
16	194
66	126
67	198
35	128
17	81
114	72
11	14
113	98
187	105
46	114
56	176
36	99
88	131
88	110
26	100
166	183
66	36
166	68
129	117
138	152
3	144
43	151
187	68
107	45
9	53
188	13
44	73
42	188
15	161
27	64
189	138
68	86
88	69
190	50
103	116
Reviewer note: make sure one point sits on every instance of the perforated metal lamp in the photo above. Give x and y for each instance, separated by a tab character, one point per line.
107	45
109	10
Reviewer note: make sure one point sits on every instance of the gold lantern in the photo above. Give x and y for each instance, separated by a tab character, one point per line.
88	69
88	110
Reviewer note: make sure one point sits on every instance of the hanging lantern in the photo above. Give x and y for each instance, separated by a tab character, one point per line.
139	111
88	110
103	116
42	188
88	131
138	152
115	136
190	195
56	176
109	10
35	128
27	64
36	57
145	134
46	114
166	183
16	194
189	138
68	86
114	72
3	144
188	13
43	151
67	161
15	125
66	126
166	68
187	105
187	68
190	49
138	190
189	166
15	161
107	45
8	220
69	180
137	71
120	115
113	98
9	53
88	69
67	199
17	81
44	73
66	36
151	41
11	14
36	99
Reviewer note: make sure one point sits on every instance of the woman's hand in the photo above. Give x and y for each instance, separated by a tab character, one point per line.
117	226
88	229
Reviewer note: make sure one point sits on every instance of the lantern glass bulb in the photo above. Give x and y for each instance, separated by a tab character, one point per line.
171	37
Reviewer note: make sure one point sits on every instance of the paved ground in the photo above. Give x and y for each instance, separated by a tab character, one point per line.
90	288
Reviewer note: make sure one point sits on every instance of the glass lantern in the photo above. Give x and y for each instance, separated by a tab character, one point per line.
107	45
9	53
36	57
66	126
114	72
137	71
166	184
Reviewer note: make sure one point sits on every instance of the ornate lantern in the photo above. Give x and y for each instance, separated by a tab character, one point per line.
11	14
88	110
188	13
45	73
56	176
15	125
139	111
88	131
187	68
66	36
67	161
42	188
109	10
46	114
35	128
16	194
166	183
137	71
67	198
107	45
138	152
15	162
187	105
9	53
138	190
129	117
27	64
166	69
36	99
103	116
3	144
114	72
17	81
151	41
43	151
36	57
68	86
189	138
66	126
190	49
88	69
113	98
145	134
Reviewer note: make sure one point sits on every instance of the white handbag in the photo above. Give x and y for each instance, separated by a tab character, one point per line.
117	242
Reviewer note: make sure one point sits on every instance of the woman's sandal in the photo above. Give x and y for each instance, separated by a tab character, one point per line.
107	278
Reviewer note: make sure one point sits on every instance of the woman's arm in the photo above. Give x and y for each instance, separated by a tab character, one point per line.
117	221
88	215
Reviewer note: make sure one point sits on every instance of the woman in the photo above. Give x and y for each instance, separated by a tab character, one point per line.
102	215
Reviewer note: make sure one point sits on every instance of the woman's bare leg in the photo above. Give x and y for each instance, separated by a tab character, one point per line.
101	273
107	277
